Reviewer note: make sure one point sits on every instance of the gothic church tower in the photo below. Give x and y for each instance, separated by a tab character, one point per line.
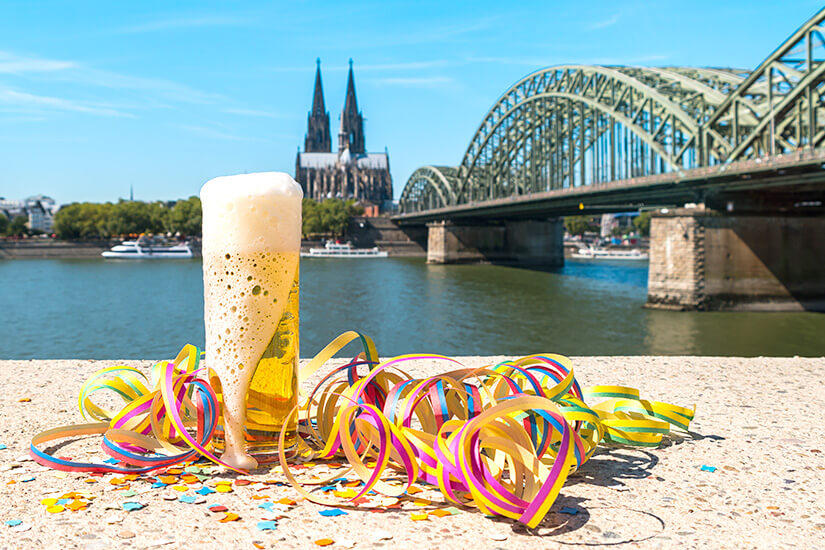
349	173
351	135
317	138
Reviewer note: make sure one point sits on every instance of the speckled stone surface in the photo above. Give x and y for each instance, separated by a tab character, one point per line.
760	422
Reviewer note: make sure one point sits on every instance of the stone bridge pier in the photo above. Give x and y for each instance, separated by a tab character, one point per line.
709	260
529	242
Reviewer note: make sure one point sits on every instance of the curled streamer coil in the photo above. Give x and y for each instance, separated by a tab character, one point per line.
503	438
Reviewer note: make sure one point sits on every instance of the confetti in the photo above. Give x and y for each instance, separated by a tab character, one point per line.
48	501
56	509
706	468
27	479
561	430
332	513
287	501
324	542
419	516
132	506
218	508
242	482
3	447
180	488
24	400
112	461
230	516
569	510
498	536
13	522
267	525
440	513
21	528
76	505
188	499
206	491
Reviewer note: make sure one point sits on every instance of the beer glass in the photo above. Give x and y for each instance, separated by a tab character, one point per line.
251	247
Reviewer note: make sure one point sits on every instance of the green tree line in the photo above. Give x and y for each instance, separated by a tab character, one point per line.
579	225
85	220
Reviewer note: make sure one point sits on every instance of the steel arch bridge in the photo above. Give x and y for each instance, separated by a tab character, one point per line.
573	127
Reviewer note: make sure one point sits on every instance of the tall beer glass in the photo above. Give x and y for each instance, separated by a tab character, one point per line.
251	246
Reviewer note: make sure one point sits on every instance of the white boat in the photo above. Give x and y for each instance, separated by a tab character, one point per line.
593	253
146	250
338	250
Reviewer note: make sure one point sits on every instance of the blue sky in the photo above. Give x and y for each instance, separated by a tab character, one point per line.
98	96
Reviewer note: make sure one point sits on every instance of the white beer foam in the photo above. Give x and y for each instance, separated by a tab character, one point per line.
251	241
251	212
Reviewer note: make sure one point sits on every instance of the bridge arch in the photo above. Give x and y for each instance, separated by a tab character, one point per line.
574	125
430	187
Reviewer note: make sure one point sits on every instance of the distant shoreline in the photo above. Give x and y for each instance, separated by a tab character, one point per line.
54	249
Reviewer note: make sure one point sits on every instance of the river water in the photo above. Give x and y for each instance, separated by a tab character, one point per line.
147	310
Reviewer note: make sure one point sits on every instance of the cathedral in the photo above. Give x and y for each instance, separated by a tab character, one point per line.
349	173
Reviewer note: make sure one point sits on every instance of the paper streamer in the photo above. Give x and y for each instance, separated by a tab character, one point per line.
503	438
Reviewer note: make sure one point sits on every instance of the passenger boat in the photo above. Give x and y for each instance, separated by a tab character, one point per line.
593	253
147	250
345	250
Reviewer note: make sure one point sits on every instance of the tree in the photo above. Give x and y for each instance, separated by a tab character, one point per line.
185	217
82	220
579	225
642	223
18	226
328	217
4	224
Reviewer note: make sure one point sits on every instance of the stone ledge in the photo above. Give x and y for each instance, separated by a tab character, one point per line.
768	489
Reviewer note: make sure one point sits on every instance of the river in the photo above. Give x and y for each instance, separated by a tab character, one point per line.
136	310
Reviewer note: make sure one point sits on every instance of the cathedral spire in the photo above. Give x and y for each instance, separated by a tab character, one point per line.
318	107
351	135
317	137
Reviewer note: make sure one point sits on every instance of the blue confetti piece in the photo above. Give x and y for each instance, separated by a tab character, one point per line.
64	501
332	512
132	506
267	506
568	510
158	485
27	479
188	499
13	522
267	525
1	448
706	468
112	461
329	488
339	480
205	491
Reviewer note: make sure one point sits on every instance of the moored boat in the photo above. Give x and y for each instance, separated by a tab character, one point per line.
594	253
343	250
143	249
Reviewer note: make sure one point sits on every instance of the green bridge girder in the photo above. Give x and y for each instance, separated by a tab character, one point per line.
578	125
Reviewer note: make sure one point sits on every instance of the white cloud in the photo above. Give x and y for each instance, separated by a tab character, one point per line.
51	103
177	23
16	64
212	133
604	23
252	113
414	82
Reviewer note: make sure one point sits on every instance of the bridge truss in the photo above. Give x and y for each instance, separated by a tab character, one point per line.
571	126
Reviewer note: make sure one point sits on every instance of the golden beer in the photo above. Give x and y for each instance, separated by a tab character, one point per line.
251	272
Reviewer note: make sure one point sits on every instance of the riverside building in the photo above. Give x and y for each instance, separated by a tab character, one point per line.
351	172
